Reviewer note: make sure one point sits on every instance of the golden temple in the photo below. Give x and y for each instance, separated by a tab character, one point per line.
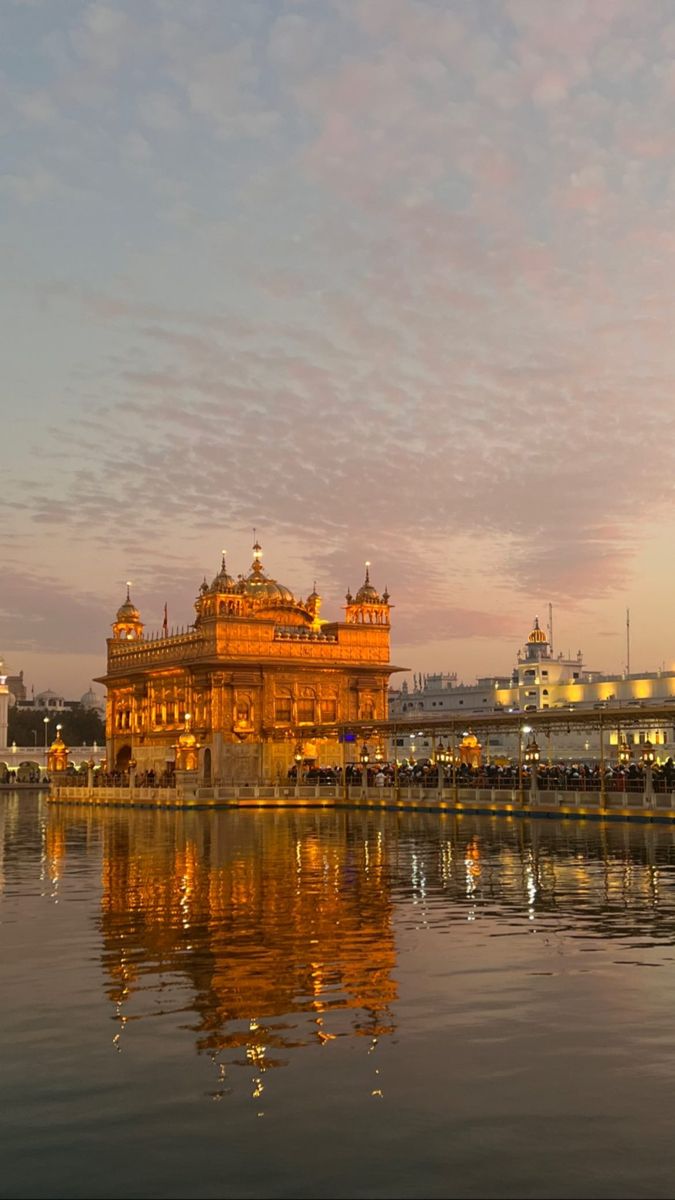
259	679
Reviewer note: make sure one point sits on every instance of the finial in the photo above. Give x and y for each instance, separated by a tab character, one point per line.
257	548
367	571
128	586
222	563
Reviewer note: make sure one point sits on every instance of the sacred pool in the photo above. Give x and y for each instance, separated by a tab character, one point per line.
334	1003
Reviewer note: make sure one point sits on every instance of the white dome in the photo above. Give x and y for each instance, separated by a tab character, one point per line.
49	699
91	699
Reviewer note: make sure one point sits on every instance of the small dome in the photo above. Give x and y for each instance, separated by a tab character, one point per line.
187	740
367	594
49	699
223	582
128	612
91	700
537	634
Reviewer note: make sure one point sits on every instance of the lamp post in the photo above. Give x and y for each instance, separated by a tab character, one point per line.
455	788
365	759
532	759
521	794
441	759
45	722
648	763
297	759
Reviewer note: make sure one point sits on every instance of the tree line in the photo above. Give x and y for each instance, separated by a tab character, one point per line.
80	726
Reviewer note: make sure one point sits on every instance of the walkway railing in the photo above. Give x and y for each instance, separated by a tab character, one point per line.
416	795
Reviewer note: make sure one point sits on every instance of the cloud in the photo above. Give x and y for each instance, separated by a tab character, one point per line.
412	307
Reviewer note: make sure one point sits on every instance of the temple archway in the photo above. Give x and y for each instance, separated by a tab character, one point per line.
123	758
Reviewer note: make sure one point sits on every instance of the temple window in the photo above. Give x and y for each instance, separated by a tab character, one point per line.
283	709
306	710
329	710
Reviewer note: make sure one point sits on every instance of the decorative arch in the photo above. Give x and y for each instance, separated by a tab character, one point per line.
123	757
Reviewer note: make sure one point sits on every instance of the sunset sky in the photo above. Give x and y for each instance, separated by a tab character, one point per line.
386	279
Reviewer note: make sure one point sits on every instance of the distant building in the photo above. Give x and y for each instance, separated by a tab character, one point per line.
17	687
538	681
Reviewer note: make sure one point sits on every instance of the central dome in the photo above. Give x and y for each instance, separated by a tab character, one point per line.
259	586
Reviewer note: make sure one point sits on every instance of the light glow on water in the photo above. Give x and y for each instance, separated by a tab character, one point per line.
322	1003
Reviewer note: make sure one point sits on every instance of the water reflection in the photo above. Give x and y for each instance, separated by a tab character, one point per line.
247	923
268	931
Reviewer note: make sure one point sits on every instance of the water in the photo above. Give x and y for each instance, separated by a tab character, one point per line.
272	1004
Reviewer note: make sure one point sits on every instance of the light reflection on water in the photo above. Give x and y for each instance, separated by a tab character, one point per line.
323	1003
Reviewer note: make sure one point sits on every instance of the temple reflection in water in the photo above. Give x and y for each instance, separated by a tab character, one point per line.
261	917
273	931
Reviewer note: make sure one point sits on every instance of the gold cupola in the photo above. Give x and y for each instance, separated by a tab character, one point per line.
537	635
258	586
127	624
537	646
368	607
222	581
57	757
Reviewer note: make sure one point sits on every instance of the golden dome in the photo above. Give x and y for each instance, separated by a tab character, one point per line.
223	582
259	586
128	612
537	634
367	594
187	740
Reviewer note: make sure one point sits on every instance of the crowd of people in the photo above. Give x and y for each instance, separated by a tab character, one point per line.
575	776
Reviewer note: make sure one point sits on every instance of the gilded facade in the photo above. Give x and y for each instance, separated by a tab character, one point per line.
258	678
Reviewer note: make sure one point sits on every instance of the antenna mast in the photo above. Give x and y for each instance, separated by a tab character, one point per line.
550	627
628	641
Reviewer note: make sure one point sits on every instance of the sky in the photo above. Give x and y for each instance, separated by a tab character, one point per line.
384	279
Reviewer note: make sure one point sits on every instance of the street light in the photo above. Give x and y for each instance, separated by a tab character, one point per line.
442	757
45	722
648	762
532	759
532	752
